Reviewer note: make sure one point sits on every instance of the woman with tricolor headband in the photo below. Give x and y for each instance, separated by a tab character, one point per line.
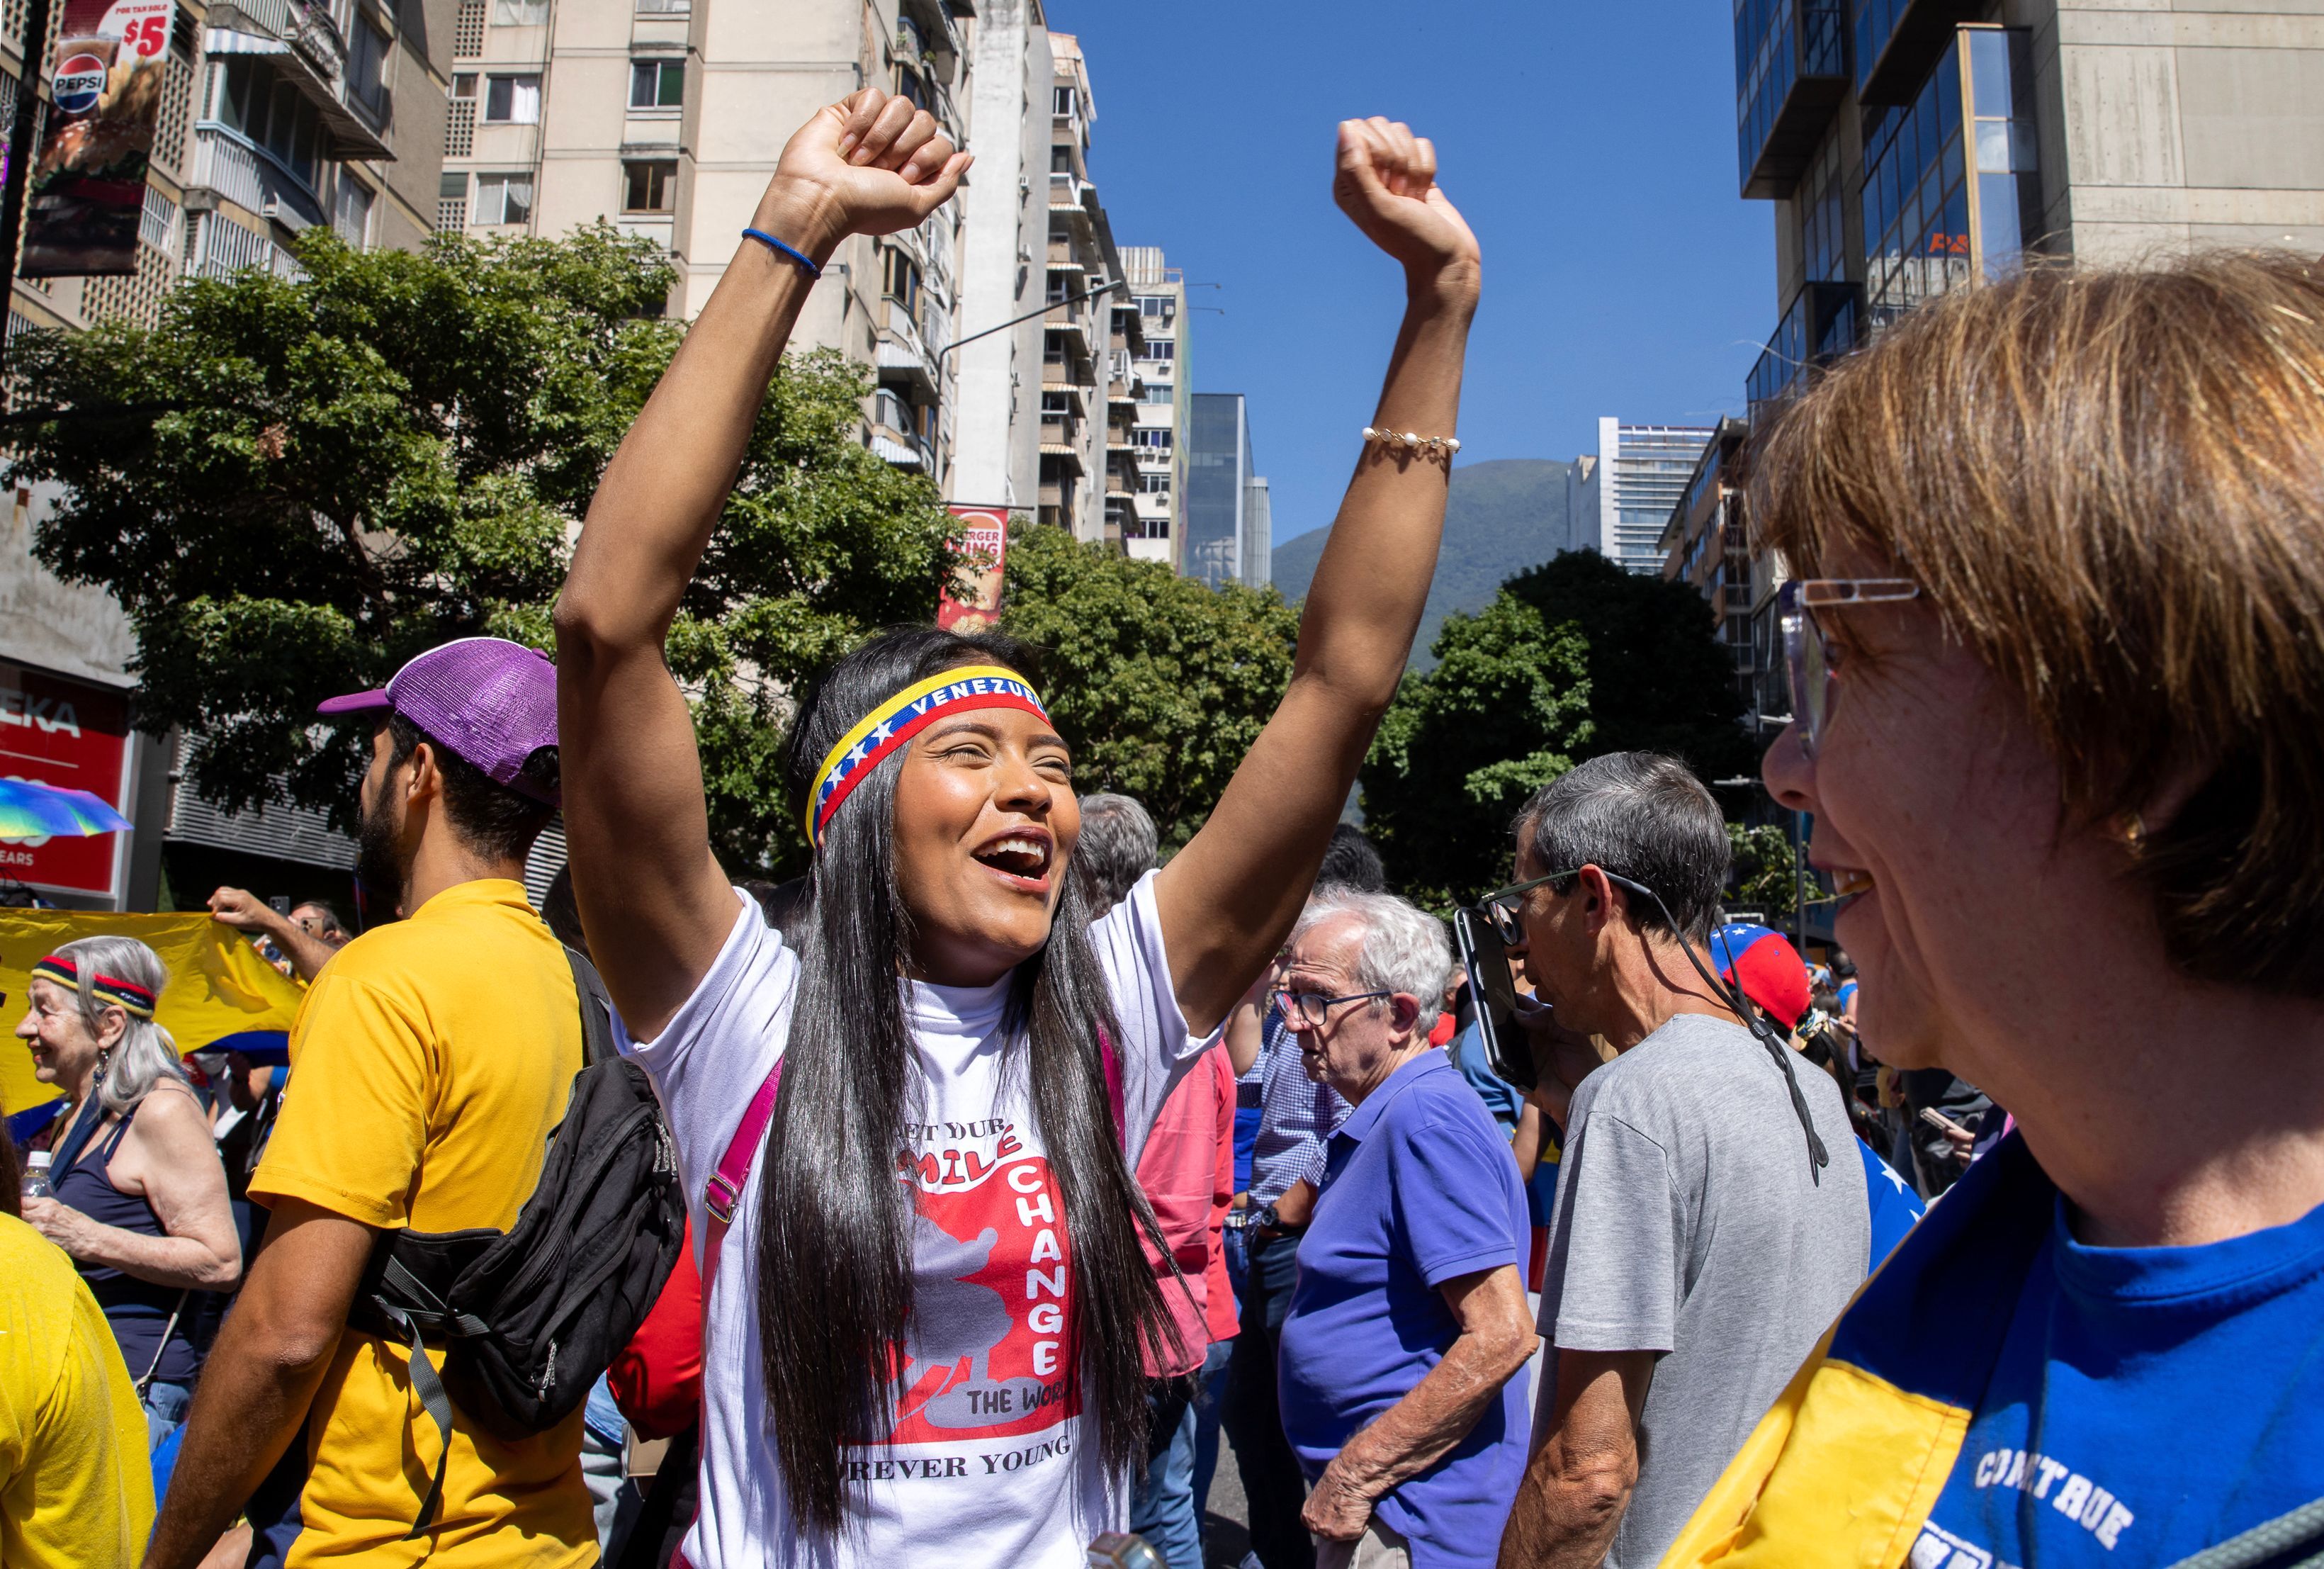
139	1196
909	1120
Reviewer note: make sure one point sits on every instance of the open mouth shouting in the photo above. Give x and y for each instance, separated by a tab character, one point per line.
1021	857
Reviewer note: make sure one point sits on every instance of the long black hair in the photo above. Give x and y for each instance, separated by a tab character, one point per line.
834	1235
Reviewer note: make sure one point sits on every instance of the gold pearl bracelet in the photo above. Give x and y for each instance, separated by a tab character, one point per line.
1413	441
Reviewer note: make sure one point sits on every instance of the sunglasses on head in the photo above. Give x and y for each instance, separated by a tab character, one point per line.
1808	652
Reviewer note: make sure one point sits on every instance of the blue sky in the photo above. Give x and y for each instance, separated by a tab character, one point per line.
1591	146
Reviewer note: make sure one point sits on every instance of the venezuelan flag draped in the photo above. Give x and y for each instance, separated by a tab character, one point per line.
1844	1471
217	984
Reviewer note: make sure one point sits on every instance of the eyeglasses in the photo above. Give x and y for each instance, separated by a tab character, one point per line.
1312	1008
1501	906
1814	662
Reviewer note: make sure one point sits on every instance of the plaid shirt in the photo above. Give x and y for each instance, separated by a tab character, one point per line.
1296	1116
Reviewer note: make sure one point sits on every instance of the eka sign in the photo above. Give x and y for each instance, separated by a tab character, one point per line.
79	83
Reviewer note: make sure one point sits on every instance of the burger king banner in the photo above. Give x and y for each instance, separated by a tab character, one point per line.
88	183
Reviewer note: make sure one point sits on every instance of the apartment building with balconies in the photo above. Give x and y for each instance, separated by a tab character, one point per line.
1091	335
666	118
1004	272
277	116
1163	376
1915	146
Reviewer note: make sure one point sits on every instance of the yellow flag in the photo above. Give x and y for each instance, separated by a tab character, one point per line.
217	985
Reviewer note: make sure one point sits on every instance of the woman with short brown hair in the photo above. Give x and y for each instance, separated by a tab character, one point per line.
2057	664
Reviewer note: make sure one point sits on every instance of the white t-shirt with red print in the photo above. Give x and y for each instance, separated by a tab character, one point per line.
990	1460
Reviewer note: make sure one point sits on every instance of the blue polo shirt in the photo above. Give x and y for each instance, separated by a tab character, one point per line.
1418	1188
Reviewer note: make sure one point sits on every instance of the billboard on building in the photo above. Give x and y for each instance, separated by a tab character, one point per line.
973	601
60	732
88	183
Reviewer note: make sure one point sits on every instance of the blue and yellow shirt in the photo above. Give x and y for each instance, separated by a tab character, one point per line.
2001	1396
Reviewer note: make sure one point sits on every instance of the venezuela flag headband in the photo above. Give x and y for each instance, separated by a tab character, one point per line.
126	995
902	716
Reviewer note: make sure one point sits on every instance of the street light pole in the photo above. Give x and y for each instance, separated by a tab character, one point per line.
20	154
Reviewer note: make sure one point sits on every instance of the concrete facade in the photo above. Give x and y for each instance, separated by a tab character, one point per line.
1163	380
666	118
2178	123
1005	229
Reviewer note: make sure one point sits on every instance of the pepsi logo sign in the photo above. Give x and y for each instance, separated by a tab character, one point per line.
79	83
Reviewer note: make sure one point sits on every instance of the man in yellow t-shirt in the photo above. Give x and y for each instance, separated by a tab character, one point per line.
429	1064
76	1487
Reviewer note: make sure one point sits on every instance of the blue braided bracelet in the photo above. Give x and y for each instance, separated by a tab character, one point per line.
780	249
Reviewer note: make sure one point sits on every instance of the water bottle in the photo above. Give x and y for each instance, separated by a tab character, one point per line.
36	1176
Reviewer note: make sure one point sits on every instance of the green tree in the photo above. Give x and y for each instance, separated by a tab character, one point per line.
1763	872
292	486
1574	659
1659	680
1505	710
1159	683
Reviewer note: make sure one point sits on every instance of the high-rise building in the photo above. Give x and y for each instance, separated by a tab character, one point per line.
1092	339
1164	374
1257	534
1706	547
276	116
1641	473
1225	526
1004	271
667	117
1915	146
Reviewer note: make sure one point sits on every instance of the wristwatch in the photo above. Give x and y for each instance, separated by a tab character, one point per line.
1267	1220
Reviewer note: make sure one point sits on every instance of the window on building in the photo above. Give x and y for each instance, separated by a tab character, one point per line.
1160	305
351	211
464	84
649	185
1161	348
452	202
513	100
253	99
900	279
1157	392
503	199
664	8
519	12
888	409
1155	436
1061	100
1061	160
657	84
911	85
368	51
1155	484
1058	403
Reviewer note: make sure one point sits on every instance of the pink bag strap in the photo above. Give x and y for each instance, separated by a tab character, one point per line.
723	1190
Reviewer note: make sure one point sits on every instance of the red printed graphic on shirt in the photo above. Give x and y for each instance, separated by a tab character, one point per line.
989	1350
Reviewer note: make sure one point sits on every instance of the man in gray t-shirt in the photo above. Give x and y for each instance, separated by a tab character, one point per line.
1687	1224
1711	1218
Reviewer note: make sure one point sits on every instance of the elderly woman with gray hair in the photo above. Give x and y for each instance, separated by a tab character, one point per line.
139	1197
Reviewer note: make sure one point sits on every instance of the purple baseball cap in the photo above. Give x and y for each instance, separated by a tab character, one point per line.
493	702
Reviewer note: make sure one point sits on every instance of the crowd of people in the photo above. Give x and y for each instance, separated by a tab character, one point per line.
958	1202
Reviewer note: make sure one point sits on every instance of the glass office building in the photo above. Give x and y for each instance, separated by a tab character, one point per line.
1218	488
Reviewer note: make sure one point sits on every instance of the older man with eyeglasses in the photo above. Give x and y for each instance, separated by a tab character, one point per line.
1408	1322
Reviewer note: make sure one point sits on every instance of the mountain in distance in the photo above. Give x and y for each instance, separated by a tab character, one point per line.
1501	518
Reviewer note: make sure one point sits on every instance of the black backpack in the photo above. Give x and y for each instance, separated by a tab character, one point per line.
533	1315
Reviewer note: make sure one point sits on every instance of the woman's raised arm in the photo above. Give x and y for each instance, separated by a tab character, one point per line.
1229	899
652	898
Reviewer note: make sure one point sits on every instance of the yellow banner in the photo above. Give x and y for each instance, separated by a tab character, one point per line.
218	984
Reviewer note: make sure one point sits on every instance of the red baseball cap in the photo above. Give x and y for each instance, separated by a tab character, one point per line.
1764	964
